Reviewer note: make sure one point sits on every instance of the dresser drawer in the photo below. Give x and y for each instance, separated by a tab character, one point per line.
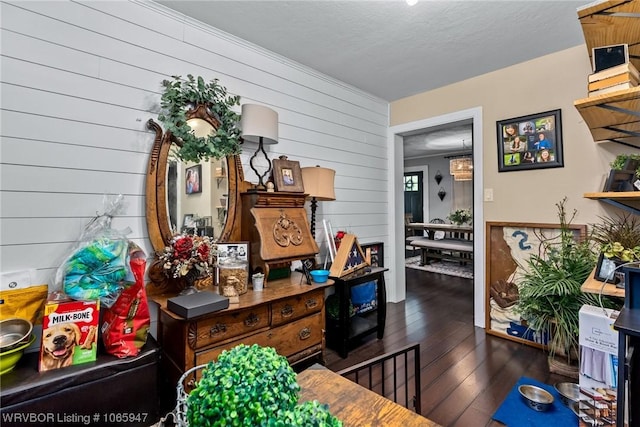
227	326
287	339
288	309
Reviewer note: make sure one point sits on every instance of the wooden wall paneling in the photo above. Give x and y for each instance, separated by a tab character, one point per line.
19	204
20	125
61	155
42	52
53	230
33	178
95	71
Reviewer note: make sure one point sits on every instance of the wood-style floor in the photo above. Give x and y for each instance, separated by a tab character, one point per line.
466	374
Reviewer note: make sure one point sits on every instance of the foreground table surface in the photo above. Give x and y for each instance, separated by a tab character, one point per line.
353	404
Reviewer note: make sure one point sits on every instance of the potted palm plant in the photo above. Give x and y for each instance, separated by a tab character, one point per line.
550	294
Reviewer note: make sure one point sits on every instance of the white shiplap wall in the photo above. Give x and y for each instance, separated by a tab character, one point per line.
80	80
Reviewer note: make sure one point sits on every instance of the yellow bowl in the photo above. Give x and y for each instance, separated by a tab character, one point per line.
9	359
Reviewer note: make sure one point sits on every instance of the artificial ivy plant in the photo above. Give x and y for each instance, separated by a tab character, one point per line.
179	97
253	386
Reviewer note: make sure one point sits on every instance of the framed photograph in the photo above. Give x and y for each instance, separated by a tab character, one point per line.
287	175
376	250
620	181
509	246
530	142
225	251
606	271
193	179
188	221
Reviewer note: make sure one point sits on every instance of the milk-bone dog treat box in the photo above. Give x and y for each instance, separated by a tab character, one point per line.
69	332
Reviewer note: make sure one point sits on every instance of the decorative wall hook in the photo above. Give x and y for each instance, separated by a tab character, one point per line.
438	177
442	193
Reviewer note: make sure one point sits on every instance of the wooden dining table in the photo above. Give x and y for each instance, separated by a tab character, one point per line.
353	404
428	226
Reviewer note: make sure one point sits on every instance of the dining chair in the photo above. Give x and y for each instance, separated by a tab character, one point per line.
394	375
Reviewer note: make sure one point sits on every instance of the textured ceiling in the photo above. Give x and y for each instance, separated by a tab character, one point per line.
393	50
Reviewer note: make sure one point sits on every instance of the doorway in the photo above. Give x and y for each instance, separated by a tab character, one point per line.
413	196
396	153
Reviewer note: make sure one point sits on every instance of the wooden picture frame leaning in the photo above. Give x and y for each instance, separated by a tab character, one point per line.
287	175
349	258
509	245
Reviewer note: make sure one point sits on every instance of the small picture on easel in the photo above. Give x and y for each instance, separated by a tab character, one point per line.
307	266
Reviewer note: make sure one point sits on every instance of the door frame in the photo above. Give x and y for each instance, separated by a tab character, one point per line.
395	150
425	188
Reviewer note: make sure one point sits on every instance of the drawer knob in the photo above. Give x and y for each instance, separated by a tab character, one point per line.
219	328
286	311
312	303
304	333
251	320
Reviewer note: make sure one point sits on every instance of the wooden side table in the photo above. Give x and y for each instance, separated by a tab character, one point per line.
345	330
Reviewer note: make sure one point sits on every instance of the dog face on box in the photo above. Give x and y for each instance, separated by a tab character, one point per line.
69	333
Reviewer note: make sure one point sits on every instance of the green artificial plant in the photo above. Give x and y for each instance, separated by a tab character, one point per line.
460	216
550	295
252	386
618	236
621	160
181	96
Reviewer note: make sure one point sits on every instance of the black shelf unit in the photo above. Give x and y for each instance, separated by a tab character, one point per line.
346	330
628	326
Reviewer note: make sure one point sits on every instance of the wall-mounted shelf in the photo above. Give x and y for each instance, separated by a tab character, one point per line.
627	200
615	116
594	286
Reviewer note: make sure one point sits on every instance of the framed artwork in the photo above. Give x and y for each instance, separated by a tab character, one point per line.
509	246
287	175
376	251
530	142
607	271
188	221
225	250
193	179
620	181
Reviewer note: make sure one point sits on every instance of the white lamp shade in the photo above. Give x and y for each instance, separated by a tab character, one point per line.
319	182
259	121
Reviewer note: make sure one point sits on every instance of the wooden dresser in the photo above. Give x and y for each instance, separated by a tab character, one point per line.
286	315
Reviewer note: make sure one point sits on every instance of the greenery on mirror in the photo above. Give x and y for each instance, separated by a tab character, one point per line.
550	288
179	97
618	236
252	386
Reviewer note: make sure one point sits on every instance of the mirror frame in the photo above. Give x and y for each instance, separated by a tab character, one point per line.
158	225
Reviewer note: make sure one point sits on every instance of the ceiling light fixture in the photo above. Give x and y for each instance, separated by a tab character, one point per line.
411	2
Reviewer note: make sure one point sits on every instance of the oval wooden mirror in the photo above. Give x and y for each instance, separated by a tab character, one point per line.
172	206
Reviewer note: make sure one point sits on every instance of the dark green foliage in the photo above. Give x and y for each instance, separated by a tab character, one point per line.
550	294
252	386
181	95
307	414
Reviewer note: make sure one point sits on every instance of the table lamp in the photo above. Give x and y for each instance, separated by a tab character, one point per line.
259	124
318	184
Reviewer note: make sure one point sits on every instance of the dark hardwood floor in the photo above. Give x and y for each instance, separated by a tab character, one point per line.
465	373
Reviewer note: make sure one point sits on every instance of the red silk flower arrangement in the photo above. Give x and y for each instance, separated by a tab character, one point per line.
338	238
188	255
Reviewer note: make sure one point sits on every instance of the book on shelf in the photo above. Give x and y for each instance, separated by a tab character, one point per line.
627	67
611	89
613	80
